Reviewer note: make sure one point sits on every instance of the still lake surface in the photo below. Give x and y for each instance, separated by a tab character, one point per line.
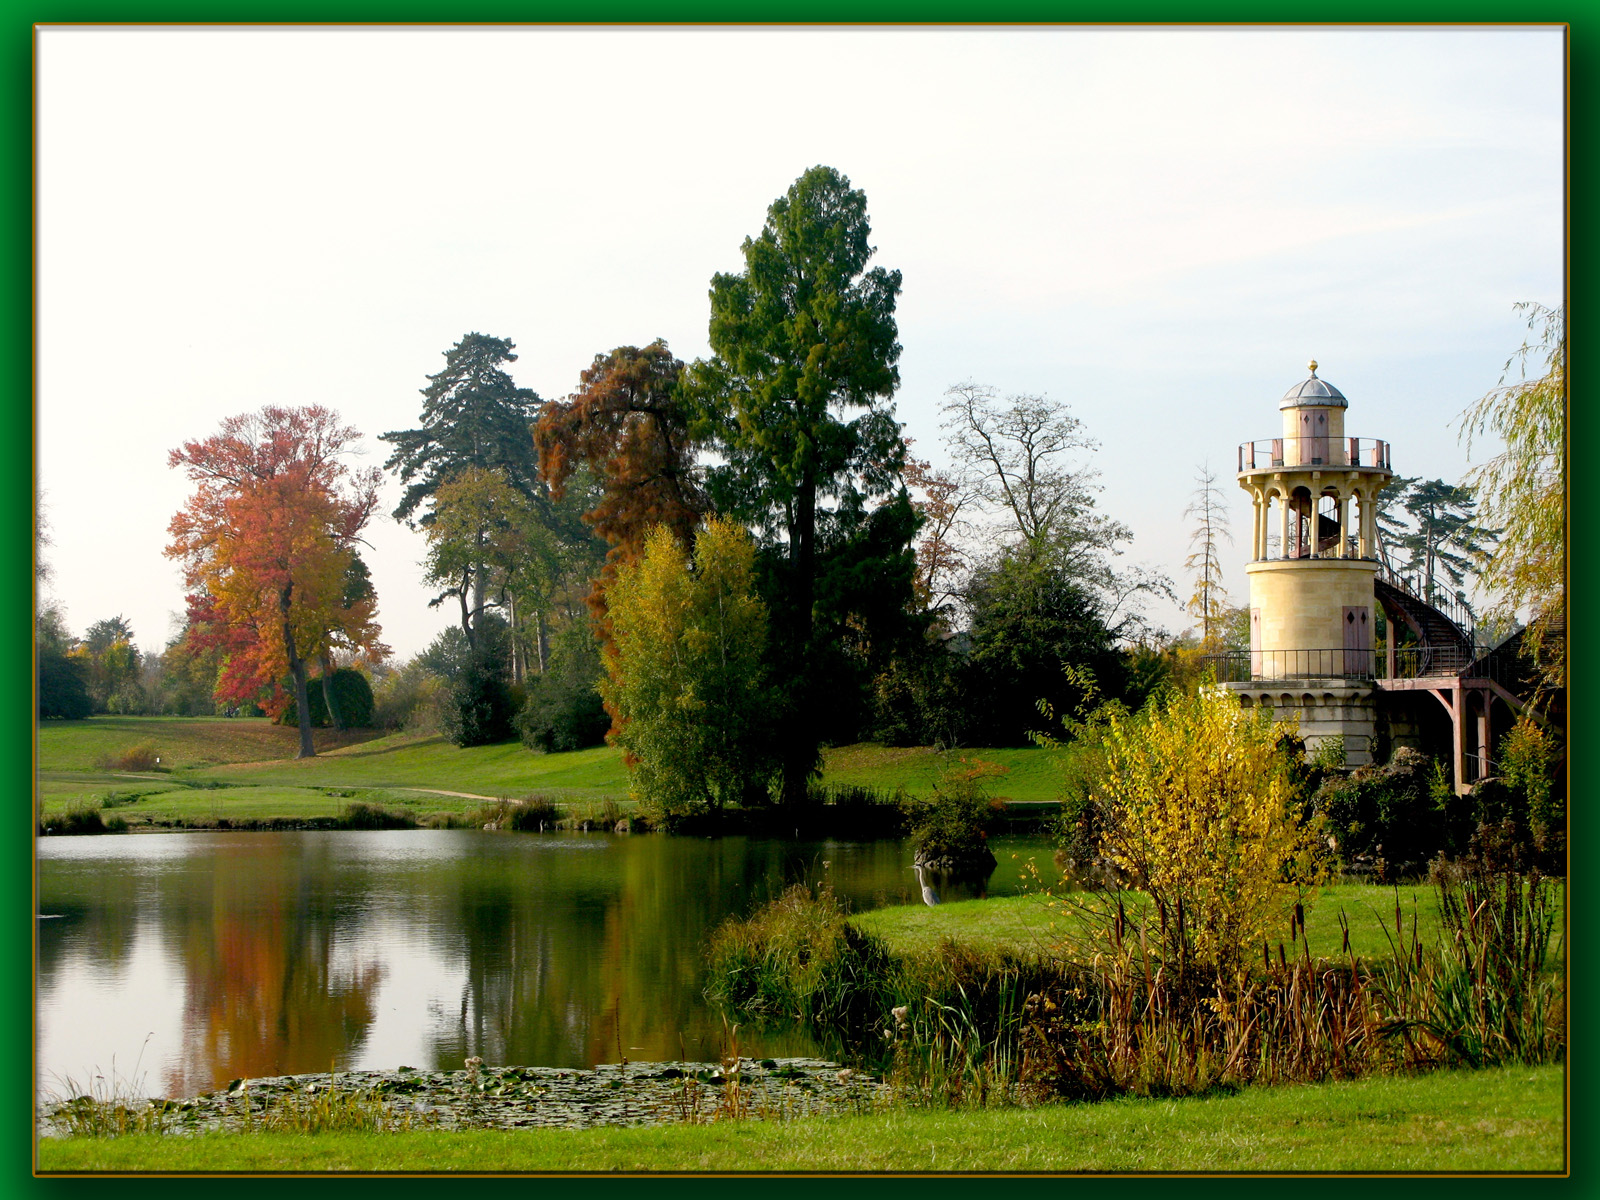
180	961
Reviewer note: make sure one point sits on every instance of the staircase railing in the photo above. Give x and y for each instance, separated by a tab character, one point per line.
1454	609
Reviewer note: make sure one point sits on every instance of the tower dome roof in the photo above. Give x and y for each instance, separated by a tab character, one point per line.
1313	391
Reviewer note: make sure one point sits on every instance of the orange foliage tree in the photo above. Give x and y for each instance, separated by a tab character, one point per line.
940	560
626	424
267	542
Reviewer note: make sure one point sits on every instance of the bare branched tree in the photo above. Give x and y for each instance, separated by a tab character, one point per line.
1023	457
1020	451
1210	515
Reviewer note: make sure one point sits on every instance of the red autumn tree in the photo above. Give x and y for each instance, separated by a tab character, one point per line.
267	540
626	424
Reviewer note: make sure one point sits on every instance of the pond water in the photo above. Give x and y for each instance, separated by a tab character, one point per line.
176	962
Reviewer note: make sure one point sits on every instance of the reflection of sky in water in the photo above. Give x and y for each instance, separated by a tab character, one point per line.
415	948
420	982
121	1020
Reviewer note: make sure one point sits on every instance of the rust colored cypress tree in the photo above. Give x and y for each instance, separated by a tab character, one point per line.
626	424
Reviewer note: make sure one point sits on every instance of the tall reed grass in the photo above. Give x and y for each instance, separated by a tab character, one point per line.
1130	1012
1157	1025
799	957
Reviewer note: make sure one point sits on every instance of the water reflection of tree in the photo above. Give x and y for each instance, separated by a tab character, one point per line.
573	957
262	993
563	948
90	910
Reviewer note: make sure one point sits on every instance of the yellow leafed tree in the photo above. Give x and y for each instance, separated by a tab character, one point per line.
1201	810
685	679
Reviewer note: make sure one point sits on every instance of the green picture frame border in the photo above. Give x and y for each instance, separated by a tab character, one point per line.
17	484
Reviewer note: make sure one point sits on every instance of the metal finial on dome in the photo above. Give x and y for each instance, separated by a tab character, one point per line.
1313	393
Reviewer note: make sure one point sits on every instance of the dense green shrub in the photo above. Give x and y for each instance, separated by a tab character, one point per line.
1029	620
1389	812
1329	755
352	696
1529	758
559	715
534	814
63	692
949	827
482	704
563	710
83	818
361	815
918	699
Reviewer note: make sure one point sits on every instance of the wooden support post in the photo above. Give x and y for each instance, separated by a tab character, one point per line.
1483	734
1458	738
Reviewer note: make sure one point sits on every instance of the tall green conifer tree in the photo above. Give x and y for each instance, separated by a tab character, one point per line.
796	399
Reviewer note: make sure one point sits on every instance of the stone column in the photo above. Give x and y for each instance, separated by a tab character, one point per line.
1283	524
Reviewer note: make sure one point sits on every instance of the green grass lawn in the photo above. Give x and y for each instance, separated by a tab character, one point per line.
1505	1119
59	790
256	759
402	761
184	743
1030	774
1038	923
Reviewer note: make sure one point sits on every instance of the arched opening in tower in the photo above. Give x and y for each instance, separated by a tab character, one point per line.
1301	511
1328	524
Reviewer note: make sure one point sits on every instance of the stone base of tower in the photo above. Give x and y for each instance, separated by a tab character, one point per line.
1324	708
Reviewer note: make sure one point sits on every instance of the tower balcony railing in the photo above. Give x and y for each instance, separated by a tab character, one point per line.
1327	547
1410	662
1271	666
1267	453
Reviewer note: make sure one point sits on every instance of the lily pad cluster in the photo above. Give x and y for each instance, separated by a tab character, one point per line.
511	1097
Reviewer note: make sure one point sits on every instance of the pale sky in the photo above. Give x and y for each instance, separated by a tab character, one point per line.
1158	226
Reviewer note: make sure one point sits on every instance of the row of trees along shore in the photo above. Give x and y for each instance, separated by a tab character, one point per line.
728	563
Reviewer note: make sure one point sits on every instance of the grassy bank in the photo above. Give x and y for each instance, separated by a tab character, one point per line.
184	743
1028	924
1030	777
1508	1119
80	765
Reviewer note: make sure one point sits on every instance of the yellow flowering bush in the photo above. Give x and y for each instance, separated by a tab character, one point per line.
1201	811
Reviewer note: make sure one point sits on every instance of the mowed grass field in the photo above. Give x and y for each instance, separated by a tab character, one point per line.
253	761
1047	924
1029	774
1503	1119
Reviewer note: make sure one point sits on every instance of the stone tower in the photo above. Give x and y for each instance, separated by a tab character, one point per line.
1313	556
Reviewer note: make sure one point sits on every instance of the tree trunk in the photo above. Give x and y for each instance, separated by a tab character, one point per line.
480	584
327	692
543	636
800	749
466	613
519	654
297	671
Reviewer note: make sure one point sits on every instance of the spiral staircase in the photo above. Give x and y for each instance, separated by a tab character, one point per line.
1443	658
